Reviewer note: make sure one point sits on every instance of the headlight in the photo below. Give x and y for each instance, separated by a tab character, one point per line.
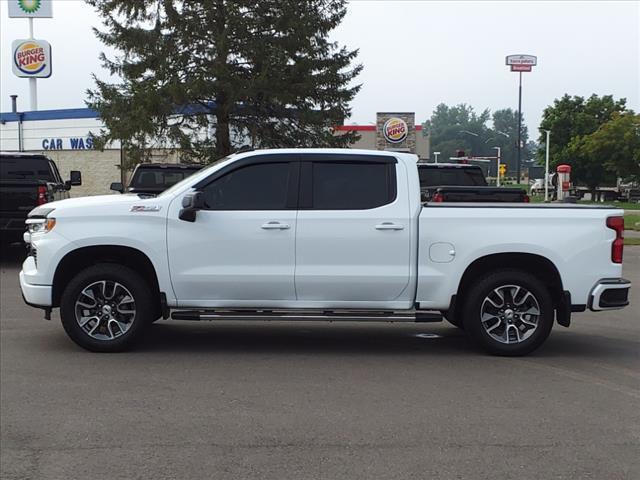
40	225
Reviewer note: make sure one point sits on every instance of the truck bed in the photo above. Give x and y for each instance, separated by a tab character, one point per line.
454	235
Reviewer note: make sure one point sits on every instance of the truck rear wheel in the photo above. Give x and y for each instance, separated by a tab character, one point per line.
106	307
509	312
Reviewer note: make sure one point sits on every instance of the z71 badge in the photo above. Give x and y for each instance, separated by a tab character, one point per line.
146	208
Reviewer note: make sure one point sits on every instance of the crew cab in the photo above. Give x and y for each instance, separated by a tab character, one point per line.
153	178
459	182
26	181
319	234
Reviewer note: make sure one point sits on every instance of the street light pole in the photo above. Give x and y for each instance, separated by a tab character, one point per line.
498	174
546	169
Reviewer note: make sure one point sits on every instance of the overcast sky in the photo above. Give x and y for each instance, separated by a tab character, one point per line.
416	54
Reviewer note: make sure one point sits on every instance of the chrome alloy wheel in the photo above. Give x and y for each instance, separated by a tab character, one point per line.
105	310
510	314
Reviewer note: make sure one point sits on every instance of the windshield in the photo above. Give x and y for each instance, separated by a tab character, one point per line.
464	177
200	174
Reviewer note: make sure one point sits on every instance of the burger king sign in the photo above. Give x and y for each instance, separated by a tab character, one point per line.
31	58
395	130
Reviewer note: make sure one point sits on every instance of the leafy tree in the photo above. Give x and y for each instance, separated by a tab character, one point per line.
505	130
212	75
457	127
460	127
613	150
570	120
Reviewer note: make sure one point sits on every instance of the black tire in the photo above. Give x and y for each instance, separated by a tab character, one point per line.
475	299
126	277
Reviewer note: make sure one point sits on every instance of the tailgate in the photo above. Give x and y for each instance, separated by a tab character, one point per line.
17	199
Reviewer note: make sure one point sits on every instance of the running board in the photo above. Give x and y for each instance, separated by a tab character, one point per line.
330	315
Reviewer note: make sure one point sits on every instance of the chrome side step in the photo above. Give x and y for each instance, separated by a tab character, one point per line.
309	315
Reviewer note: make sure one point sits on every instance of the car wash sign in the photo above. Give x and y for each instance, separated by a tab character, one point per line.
31	58
30	9
396	131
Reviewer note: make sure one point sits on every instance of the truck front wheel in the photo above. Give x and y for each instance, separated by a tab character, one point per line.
508	312
106	307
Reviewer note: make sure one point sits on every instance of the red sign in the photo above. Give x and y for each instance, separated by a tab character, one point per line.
520	68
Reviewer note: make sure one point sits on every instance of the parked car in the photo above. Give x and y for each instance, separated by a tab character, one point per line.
453	182
28	180
154	178
537	187
320	233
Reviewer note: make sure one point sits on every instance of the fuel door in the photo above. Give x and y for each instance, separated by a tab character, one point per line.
442	252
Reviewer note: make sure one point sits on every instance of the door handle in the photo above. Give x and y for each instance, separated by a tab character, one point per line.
389	226
276	226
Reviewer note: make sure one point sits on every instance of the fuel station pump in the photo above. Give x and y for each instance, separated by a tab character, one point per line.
564	181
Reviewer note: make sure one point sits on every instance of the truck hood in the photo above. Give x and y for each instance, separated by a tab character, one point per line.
100	203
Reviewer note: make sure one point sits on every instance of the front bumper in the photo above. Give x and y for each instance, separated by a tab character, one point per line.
35	295
610	294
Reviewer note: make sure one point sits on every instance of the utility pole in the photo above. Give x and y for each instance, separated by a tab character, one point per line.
546	169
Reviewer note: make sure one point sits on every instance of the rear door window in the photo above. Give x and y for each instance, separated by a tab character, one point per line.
345	185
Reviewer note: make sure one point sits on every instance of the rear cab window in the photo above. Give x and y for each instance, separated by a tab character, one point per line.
160	178
26	168
455	176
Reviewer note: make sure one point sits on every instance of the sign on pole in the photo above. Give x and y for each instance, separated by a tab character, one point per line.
521	68
521	60
30	9
31	58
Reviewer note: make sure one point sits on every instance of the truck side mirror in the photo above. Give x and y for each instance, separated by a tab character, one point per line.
117	187
76	178
191	203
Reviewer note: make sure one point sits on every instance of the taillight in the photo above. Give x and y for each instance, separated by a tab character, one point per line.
42	195
438	197
526	199
617	224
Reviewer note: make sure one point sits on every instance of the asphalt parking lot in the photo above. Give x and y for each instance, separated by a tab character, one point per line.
279	400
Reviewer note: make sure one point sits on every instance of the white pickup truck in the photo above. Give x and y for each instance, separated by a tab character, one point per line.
319	234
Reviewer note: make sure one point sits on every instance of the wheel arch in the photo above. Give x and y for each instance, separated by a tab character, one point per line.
535	264
77	260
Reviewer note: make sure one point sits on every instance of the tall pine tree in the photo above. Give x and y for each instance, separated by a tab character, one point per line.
209	76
